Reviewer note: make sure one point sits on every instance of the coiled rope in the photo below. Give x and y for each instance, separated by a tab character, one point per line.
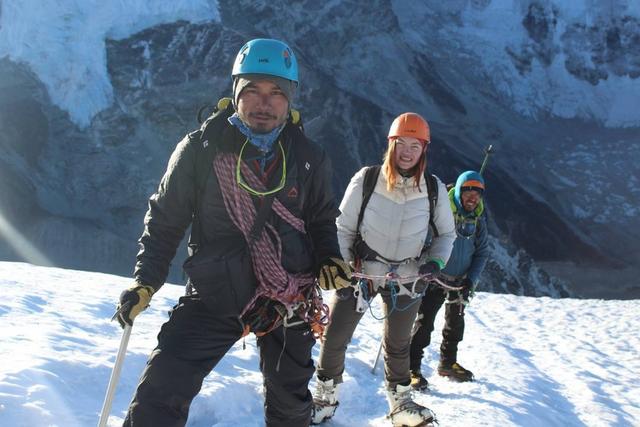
296	291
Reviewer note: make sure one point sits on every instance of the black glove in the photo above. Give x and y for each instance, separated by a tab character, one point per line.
430	269
334	274
467	288
132	302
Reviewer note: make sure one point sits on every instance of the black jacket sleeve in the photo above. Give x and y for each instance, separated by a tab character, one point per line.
321	211
169	215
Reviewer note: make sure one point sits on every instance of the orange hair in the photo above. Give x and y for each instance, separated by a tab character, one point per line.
390	170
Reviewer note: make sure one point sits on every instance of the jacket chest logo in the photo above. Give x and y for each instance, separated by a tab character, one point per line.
293	192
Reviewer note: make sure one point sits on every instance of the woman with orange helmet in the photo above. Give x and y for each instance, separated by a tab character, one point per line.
382	229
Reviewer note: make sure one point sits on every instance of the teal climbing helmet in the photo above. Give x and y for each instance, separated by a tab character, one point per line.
266	56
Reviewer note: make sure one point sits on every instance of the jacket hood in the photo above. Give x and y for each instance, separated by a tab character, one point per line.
466	179
456	206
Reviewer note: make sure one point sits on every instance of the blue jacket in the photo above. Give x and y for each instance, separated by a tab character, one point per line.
469	255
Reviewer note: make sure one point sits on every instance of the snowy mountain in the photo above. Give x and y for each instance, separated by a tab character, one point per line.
94	96
538	361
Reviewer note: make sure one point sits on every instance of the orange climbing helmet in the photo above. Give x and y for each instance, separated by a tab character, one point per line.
410	124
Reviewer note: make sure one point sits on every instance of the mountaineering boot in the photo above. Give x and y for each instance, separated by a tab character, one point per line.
455	372
325	400
404	412
418	382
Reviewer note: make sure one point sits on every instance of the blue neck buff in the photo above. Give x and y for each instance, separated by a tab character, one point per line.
263	141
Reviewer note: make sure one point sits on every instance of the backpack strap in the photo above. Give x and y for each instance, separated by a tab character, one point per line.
432	192
304	156
206	151
360	248
370	180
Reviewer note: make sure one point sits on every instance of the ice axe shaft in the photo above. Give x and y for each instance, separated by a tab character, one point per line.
115	376
375	362
487	152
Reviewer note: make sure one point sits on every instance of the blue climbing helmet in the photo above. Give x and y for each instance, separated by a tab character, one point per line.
470	180
266	56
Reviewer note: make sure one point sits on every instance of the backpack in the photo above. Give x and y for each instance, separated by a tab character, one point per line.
370	179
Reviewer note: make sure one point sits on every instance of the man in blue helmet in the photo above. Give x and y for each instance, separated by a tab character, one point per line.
263	230
468	258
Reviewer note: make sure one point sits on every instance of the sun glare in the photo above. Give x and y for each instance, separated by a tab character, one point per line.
16	241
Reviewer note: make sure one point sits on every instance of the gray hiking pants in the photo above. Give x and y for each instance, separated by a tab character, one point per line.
396	340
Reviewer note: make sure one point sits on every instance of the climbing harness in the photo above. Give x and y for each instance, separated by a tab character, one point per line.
362	290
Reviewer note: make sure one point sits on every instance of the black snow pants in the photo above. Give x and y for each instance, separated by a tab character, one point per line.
193	341
453	330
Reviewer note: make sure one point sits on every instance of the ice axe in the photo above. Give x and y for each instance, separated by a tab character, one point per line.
375	362
117	368
487	152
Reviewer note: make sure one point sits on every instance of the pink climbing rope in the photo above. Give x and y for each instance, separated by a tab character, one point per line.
274	282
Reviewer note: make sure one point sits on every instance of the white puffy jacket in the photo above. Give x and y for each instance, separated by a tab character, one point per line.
396	224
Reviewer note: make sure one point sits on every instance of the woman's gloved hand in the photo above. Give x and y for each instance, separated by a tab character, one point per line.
334	274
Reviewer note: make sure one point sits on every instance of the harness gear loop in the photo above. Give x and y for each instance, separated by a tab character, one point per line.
395	290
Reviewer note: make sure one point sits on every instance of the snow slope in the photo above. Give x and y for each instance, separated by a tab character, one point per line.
538	361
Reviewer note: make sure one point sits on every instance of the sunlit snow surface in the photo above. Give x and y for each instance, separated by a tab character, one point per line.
538	361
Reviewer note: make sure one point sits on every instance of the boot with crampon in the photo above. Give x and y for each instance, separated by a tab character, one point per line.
404	412
325	400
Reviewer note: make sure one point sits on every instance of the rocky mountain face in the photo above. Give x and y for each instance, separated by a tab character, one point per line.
562	187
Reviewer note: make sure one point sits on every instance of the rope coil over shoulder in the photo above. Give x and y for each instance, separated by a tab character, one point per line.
295	291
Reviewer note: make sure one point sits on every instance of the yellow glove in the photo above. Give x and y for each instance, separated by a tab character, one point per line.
133	301
334	274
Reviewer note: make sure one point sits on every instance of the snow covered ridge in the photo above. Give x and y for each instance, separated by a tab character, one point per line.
568	58
514	272
538	361
64	42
